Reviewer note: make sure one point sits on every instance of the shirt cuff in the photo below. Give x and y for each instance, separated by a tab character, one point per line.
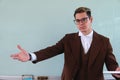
33	57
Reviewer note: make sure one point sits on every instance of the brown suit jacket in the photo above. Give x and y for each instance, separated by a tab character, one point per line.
100	53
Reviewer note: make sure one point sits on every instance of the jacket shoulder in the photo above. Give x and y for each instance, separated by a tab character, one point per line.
71	35
101	36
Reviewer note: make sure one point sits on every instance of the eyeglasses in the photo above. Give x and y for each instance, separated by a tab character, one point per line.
83	20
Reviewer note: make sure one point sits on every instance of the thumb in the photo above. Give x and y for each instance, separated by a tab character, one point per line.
20	48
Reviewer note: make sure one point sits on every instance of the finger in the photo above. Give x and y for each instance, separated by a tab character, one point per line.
20	48
117	75
14	56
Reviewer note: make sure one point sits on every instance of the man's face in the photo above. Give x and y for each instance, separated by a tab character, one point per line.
83	22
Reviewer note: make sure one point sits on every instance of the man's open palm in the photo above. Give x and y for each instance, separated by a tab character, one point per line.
22	55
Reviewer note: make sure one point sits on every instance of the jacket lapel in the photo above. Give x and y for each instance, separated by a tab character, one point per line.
75	48
75	43
94	49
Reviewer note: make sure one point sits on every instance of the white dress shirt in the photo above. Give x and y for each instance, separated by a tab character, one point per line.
86	40
33	57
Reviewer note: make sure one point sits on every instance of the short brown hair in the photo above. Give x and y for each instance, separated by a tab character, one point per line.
83	9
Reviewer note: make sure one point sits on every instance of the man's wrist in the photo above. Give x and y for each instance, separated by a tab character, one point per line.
30	57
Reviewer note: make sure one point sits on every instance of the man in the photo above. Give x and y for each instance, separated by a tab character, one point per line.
85	52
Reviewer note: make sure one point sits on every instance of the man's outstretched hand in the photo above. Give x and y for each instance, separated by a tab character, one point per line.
117	76
23	55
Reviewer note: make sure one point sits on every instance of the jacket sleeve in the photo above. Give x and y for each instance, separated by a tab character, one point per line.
110	59
50	51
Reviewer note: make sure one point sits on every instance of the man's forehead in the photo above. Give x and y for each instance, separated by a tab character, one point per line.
81	15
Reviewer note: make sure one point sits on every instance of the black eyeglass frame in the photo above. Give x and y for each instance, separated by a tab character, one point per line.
83	20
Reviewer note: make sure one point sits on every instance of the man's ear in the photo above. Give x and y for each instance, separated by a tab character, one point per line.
91	19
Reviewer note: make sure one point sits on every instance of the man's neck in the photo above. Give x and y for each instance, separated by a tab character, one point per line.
86	33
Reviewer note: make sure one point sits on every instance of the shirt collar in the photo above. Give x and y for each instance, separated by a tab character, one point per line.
89	35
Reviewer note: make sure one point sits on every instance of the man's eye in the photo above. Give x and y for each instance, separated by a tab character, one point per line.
77	20
83	19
